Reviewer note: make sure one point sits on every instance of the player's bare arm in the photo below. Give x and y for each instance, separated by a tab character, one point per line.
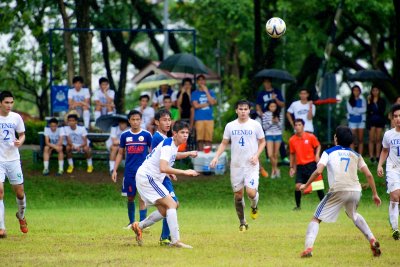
314	175
220	149
118	159
165	168
183	155
261	146
382	159
317	153
19	142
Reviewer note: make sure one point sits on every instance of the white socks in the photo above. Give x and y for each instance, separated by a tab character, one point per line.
172	220
254	201
2	221
70	162
21	207
363	226
46	165
89	162
154	217
311	235
61	165
86	118
394	214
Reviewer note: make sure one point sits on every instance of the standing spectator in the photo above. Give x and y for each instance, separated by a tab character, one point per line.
112	142
376	121
147	113
302	109
184	101
79	100
53	141
77	142
168	106
304	155
158	96
104	99
356	108
202	100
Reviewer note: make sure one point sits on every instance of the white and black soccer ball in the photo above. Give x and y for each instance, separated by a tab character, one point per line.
275	27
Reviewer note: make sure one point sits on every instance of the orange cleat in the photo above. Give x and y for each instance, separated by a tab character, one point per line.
23	225
264	172
138	232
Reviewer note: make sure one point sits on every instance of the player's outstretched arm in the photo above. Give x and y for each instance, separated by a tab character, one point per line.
371	182
165	168
220	149
314	175
182	155
382	159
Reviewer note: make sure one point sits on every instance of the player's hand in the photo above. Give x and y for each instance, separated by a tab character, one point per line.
114	176
191	173
317	158
254	160
377	200
213	163
17	143
302	187
380	171
292	171
193	153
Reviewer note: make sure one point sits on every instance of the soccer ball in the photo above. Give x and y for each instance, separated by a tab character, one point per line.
275	27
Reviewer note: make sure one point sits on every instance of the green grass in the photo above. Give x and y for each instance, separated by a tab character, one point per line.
79	224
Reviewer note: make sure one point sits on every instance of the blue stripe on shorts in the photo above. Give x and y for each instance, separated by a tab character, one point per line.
155	186
322	204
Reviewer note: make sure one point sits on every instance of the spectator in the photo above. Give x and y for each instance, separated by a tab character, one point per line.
112	142
158	96
356	108
168	106
77	142
376	121
390	117
104	99
147	113
79	100
53	141
302	109
202	100
184	101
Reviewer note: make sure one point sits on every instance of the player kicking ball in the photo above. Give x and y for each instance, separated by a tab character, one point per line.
149	179
345	189
247	143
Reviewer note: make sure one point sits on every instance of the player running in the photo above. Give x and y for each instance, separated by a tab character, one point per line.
345	189
247	143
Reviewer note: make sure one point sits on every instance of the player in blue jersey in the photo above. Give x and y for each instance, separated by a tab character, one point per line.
344	189
134	144
149	180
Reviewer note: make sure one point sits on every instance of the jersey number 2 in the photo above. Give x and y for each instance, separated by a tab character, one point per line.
6	133
347	163
241	141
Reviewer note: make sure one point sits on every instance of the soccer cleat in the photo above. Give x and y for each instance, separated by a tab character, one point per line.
396	234
306	253
138	232
263	172
23	225
70	169
179	244
3	233
243	227
165	242
45	172
89	169
254	213
60	172
375	247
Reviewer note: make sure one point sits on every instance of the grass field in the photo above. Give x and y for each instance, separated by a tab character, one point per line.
74	223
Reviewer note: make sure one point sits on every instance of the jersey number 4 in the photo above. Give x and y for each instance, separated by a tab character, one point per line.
241	141
347	163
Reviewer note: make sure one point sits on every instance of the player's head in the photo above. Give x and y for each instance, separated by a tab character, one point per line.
167	101
180	131
104	83
343	136
242	108
72	120
53	124
135	119
77	81
299	126
304	94
396	115
144	100
163	120
6	102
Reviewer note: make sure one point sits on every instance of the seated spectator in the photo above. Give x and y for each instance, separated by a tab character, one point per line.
147	113
168	106
158	96
53	141
112	142
104	99
184	104
77	142
79	100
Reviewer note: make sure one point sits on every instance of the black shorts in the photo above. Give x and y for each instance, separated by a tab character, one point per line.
304	172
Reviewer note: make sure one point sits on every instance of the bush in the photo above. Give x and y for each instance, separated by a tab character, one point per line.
32	129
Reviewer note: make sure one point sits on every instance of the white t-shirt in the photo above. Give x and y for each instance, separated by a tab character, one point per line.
166	150
342	164
54	136
391	140
158	98
8	126
78	96
300	111
76	135
99	95
244	141
147	116
114	133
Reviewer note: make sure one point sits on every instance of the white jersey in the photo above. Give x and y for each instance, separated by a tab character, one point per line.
99	95
166	150
147	116
391	140
244	141
342	164
54	136
76	135
9	125
115	133
78	96
300	111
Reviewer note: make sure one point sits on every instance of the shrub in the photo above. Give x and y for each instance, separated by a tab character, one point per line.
32	129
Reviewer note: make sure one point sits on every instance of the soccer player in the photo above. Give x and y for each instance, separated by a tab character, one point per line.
77	142
345	189
10	165
391	152
304	155
112	142
149	180
104	99
135	144
53	139
79	100
247	143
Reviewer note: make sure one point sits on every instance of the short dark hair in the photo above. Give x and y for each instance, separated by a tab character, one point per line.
134	112
161	113
5	94
200	76
187	80
144	96
179	125
242	102
299	120
77	79
395	108
103	80
73	116
167	97
344	136
53	120
304	89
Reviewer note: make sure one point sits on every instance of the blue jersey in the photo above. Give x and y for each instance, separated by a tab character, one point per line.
264	97
204	113
157	138
137	147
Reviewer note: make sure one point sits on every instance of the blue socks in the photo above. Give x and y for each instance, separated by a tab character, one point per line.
165	230
131	211
143	214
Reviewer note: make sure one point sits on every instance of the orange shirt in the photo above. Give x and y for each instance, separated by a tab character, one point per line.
303	147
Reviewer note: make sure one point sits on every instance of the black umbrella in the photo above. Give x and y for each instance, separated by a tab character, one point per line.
276	75
105	122
183	62
368	76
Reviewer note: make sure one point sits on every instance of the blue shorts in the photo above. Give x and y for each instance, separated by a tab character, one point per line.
129	185
274	138
168	185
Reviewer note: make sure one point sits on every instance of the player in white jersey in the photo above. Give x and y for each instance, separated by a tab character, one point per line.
344	189
391	152
104	99
247	143
149	178
53	141
10	165
77	142
79	100
112	143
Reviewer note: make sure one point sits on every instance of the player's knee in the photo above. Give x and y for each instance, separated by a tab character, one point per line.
131	198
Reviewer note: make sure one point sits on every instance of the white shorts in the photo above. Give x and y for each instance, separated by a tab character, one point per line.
357	125
392	181
329	207
245	177
108	144
13	171
150	190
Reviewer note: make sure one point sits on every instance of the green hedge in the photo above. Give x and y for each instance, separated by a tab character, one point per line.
32	129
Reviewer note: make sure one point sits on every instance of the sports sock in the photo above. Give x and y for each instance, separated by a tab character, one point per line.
61	165
2	221
86	118
297	196
46	165
311	235
110	112
239	204
21	207
97	115
321	194
112	164
363	226
172	219
254	201
131	211
70	162
165	230
142	214
394	214
154	217
89	162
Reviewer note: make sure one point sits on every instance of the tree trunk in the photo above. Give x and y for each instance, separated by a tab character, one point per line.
85	41
396	60
258	51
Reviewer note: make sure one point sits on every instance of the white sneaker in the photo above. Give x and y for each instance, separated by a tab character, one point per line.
179	244
278	173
